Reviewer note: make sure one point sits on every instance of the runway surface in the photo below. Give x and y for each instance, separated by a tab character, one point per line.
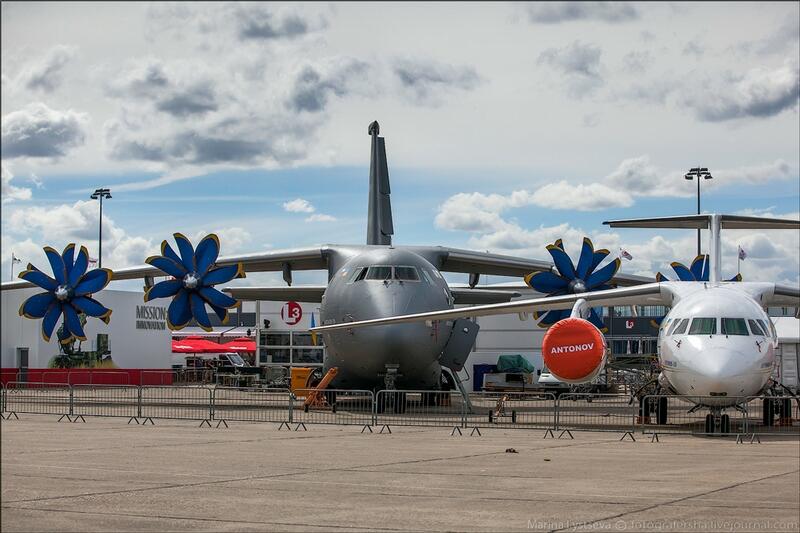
105	475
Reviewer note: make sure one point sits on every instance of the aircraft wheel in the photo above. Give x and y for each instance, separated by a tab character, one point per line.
491	416
513	417
725	424
333	407
663	405
768	412
709	423
786	409
428	399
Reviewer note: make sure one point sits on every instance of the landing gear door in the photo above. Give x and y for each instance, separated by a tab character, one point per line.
460	343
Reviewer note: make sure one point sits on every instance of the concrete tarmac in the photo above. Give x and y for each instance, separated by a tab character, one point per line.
105	475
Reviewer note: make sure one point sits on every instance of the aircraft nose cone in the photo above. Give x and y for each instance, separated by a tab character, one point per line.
720	372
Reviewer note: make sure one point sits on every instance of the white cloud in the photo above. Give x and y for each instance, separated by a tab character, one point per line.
231	240
759	92
59	225
46	73
12	192
589	197
298	205
38	131
579	65
319	217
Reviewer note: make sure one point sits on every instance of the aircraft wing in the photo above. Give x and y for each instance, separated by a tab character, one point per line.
788	295
297	259
648	294
468	261
301	293
313	294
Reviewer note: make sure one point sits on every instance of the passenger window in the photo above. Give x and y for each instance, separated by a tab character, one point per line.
703	326
756	329
681	327
734	326
379	272
405	273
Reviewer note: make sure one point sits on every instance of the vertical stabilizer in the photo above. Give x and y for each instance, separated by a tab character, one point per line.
379	222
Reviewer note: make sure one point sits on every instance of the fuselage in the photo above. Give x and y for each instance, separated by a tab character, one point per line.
716	342
382	282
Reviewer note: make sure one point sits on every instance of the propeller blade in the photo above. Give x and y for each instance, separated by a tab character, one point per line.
586	259
73	322
187	251
199	311
223	274
79	267
37	305
50	319
179	313
545	282
206	254
603	275
214	297
68	255
661	277
698	267
684	274
167	251
94	281
91	307
57	264
168	266
562	261
595	319
163	289
39	278
553	316
598	257
221	312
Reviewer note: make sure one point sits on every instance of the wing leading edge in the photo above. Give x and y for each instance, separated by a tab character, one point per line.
648	294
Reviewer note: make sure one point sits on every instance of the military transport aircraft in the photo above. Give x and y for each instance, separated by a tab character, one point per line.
716	344
369	281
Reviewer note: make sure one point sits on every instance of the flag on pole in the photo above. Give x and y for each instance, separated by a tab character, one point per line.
742	254
625	254
313	334
15	259
92	261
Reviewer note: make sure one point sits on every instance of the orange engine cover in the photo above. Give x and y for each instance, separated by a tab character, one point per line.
574	350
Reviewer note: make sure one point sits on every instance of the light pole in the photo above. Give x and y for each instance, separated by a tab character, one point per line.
698	172
99	194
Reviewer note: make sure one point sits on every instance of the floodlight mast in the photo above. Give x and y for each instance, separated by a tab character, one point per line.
99	194
698	172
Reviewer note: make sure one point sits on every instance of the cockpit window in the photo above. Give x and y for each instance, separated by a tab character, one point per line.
756	329
358	274
379	272
734	326
406	273
674	327
427	277
681	326
770	329
703	326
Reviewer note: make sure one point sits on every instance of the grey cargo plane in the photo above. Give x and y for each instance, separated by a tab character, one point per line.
379	280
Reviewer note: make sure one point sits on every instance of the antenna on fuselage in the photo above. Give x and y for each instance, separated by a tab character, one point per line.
712	222
379	217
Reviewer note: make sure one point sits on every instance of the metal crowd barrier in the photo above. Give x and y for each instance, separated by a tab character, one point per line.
595	412
106	400
38	398
333	406
181	403
420	408
251	405
512	410
773	416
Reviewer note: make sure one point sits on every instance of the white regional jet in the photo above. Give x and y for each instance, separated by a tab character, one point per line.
716	344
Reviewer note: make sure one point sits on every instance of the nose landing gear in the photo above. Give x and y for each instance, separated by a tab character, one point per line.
717	423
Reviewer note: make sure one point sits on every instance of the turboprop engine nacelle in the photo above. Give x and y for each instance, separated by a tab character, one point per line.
574	350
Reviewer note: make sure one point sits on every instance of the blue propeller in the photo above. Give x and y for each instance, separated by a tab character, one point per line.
68	293
192	284
698	271
586	277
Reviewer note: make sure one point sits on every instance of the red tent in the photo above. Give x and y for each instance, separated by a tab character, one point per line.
196	344
241	344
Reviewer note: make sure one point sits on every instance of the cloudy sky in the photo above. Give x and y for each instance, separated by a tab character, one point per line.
507	125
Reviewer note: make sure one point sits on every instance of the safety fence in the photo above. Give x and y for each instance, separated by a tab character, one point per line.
567	413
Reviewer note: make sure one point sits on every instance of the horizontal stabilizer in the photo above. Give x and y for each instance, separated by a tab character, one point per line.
702	222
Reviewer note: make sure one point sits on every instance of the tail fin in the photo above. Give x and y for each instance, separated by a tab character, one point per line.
379	222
